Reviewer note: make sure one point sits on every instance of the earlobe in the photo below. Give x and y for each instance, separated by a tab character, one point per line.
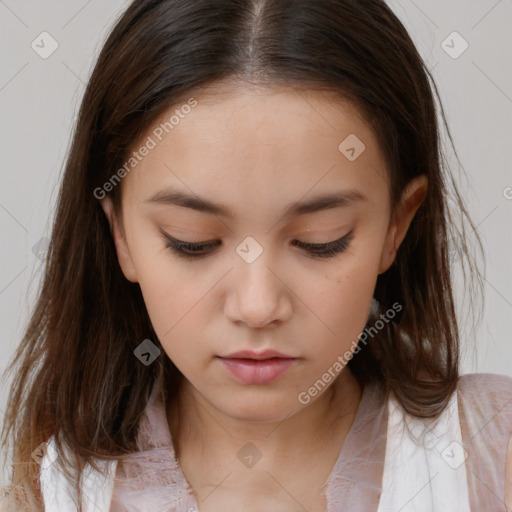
122	250
412	198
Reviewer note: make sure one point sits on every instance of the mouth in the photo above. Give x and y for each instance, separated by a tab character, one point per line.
249	370
264	354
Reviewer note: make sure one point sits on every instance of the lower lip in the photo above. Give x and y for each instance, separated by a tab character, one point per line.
251	371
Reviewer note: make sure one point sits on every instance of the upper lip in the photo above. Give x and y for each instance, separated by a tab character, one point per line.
249	354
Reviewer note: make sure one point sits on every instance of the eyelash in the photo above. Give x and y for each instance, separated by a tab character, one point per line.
328	250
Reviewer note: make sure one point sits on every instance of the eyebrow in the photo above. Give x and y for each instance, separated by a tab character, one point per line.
318	203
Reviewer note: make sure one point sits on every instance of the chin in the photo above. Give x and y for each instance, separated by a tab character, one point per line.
260	410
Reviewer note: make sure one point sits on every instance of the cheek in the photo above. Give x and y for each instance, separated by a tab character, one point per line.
163	284
180	312
345	292
172	304
167	293
353	295
342	301
174	310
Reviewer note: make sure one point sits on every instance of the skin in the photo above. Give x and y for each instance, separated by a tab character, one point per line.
256	150
508	476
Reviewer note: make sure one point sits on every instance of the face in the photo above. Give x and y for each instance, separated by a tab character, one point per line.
240	273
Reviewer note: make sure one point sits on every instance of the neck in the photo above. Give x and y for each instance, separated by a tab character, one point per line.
202	432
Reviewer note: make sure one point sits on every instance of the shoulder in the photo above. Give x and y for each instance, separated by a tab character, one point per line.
485	413
486	391
485	401
486	380
56	488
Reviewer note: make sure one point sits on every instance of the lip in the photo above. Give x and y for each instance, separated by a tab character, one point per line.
250	354
257	371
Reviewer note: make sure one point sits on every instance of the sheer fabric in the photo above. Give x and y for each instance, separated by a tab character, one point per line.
388	462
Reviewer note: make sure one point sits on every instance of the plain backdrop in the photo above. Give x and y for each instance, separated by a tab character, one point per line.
465	43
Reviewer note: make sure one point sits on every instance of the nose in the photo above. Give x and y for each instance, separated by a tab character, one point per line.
258	295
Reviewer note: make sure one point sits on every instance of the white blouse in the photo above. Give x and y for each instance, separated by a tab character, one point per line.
389	461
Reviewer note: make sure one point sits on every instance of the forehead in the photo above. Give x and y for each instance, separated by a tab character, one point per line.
246	142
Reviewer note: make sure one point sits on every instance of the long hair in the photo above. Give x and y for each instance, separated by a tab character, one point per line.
74	373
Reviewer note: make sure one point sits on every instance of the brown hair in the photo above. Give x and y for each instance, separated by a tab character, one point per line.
75	375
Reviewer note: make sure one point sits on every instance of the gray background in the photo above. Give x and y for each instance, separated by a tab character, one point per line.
39	99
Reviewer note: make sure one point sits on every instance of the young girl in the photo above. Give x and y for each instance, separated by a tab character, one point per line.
247	303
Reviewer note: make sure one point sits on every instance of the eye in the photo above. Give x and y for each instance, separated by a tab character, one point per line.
189	249
328	250
198	250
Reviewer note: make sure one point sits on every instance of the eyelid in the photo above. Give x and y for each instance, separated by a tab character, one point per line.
215	242
178	241
172	242
319	251
330	242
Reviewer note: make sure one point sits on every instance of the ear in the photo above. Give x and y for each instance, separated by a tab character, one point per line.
412	198
117	231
